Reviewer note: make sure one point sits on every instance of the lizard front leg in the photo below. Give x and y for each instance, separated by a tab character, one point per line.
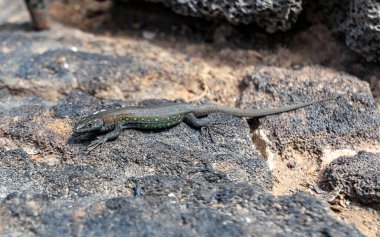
108	137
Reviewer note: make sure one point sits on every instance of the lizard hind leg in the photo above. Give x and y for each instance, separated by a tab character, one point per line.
205	125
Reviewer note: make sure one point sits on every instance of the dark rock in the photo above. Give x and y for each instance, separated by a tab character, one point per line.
179	151
62	67
75	105
188	208
358	21
168	182
359	175
351	119
271	15
363	28
188	184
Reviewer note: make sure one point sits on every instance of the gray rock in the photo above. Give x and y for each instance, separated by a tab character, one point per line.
189	185
349	120
363	28
359	175
172	206
180	151
168	182
58	69
278	15
358	21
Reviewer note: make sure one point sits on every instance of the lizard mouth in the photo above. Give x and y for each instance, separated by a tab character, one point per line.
78	129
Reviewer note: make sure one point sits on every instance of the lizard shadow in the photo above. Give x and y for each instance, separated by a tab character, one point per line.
87	138
27	27
254	123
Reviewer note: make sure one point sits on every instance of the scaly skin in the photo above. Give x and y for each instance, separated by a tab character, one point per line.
165	116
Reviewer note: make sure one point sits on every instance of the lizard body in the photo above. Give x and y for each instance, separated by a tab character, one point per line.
165	116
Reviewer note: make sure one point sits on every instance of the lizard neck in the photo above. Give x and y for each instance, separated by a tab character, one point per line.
109	124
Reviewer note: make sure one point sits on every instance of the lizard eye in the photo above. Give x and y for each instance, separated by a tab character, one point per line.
89	125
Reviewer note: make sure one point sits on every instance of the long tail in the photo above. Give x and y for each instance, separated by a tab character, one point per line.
206	109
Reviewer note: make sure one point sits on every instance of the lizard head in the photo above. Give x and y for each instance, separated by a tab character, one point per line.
89	124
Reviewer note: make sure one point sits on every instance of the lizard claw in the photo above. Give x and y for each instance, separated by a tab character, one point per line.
100	141
94	144
211	129
209	132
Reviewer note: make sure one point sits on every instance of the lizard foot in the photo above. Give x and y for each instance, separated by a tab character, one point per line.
207	130
100	141
94	144
210	130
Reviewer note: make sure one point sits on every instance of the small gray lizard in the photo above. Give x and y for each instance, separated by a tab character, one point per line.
165	116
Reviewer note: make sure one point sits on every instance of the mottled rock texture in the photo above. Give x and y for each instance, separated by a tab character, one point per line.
272	15
171	206
359	175
350	120
164	183
358	21
189	185
363	28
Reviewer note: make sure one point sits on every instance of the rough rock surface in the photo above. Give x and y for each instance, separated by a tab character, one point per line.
72	69
357	20
276	15
363	28
172	206
139	153
168	182
350	122
359	176
187	183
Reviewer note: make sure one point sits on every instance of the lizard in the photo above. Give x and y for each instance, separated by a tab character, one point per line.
113	121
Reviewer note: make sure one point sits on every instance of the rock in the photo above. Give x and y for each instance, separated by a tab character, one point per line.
334	125
181	173
171	206
178	151
359	175
271	15
197	187
358	21
363	28
148	35
168	182
53	62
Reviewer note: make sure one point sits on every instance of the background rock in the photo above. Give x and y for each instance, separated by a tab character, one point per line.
359	176
271	15
363	28
358	21
344	123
